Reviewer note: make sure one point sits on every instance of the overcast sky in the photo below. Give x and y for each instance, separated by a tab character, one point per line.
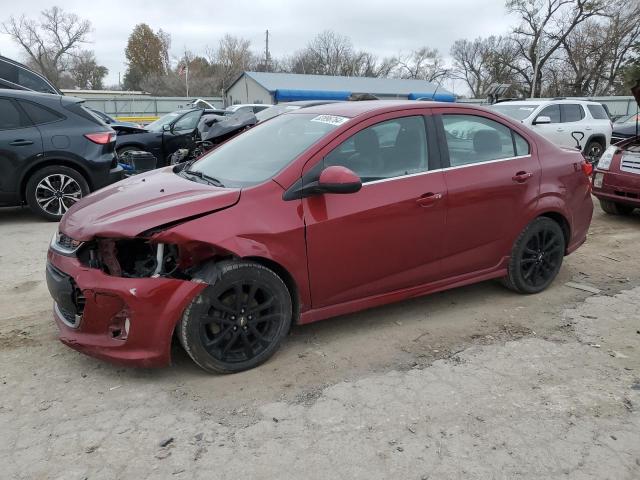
381	26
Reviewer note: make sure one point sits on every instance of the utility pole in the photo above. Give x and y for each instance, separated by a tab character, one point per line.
186	76
267	57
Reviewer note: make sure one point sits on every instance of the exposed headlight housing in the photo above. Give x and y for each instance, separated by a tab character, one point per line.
605	160
64	244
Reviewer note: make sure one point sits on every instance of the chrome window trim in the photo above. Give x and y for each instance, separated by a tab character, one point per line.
373	182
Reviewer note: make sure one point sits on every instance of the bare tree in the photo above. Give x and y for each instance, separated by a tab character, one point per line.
483	62
51	41
544	26
422	64
86	72
232	57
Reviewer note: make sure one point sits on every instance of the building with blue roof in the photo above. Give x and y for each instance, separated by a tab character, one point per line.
268	87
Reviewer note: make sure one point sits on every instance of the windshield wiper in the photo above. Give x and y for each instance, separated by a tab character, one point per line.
211	180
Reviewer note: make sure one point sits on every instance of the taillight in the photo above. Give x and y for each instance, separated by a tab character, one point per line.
101	138
587	168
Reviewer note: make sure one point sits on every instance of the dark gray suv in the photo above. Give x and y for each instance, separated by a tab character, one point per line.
53	151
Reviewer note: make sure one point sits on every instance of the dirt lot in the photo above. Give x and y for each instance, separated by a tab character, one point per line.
476	382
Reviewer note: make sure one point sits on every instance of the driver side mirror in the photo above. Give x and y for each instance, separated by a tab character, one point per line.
333	179
167	128
542	120
338	179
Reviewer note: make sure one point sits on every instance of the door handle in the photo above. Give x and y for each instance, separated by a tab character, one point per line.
522	177
428	199
21	143
560	130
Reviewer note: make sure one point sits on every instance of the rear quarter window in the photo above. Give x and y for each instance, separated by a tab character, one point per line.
84	112
38	114
598	112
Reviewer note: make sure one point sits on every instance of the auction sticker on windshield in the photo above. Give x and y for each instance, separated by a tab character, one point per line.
330	119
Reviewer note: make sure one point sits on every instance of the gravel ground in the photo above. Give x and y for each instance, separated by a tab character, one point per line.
472	383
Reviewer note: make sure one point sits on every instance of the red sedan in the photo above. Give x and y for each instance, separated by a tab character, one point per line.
312	214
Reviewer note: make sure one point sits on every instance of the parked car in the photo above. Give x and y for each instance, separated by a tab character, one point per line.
616	181
16	76
281	108
53	151
112	122
557	120
625	128
248	107
309	216
166	135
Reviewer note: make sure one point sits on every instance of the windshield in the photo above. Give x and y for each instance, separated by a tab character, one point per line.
165	120
261	152
518	112
274	111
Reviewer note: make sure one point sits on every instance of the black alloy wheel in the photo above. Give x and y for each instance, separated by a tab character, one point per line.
239	320
536	256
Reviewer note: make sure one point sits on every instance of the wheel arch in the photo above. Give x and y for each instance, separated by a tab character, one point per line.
132	144
598	137
288	280
561	220
52	162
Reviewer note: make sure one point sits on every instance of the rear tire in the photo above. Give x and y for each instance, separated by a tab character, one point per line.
594	151
536	257
129	148
51	191
239	320
615	208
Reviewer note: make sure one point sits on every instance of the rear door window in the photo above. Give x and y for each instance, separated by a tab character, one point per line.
10	116
571	112
475	139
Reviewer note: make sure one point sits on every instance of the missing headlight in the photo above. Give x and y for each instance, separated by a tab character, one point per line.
132	258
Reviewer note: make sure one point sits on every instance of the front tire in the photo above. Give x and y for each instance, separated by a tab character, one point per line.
239	320
615	208
536	257
51	191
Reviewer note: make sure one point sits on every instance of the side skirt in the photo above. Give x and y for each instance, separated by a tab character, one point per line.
314	315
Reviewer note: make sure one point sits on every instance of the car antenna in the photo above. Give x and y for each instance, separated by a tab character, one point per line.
433	96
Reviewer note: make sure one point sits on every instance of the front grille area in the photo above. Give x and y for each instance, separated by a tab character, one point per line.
630	163
620	193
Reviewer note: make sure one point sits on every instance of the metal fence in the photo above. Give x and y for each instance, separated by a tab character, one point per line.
141	106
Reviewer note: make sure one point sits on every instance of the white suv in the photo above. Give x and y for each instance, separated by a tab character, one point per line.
561	120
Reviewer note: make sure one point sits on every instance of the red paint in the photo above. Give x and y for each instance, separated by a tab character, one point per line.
619	186
391	240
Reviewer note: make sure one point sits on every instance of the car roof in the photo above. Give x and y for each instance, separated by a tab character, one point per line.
27	94
542	101
354	109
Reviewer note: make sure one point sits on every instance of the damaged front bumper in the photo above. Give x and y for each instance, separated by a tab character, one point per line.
124	320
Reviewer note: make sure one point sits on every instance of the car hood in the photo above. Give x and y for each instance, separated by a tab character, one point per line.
143	202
